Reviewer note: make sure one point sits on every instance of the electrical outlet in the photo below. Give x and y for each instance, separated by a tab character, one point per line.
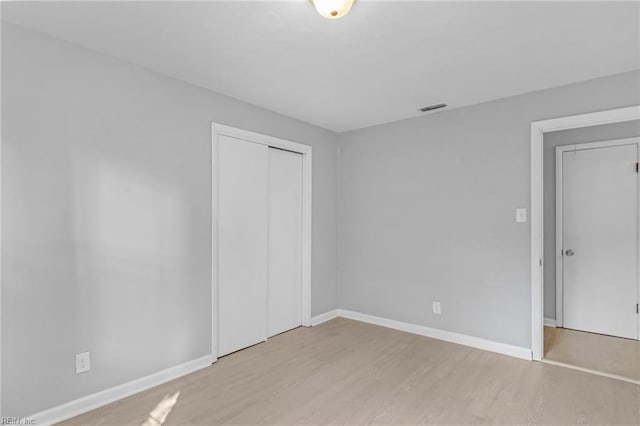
83	362
436	308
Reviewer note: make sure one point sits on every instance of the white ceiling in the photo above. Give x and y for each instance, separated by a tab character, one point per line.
378	64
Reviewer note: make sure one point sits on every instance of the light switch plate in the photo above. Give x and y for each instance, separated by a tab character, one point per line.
521	215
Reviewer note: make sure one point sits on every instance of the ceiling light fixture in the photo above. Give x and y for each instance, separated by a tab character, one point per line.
333	9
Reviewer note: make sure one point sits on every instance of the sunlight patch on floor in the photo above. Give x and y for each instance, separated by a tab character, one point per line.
159	414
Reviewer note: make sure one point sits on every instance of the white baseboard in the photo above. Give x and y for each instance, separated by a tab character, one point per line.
449	336
548	322
107	396
98	399
319	319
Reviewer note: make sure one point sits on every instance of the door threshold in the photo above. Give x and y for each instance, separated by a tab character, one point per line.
597	333
591	371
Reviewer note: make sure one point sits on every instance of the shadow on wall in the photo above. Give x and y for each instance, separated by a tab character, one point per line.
131	232
110	244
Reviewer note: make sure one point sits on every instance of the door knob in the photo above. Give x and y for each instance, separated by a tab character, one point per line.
569	252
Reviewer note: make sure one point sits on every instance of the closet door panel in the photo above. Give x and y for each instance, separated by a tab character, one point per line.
243	194
285	241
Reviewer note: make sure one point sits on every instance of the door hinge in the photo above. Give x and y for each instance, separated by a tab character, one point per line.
637	167
637	309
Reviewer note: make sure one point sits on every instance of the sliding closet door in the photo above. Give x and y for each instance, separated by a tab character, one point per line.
285	241
243	194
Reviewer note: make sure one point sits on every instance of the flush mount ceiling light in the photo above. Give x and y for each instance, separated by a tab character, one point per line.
333	9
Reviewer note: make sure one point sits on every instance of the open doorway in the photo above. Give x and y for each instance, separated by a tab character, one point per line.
591	255
613	354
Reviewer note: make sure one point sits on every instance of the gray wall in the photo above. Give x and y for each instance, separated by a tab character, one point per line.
106	218
427	211
551	140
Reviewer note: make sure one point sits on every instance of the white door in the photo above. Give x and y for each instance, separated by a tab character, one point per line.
600	240
285	241
243	194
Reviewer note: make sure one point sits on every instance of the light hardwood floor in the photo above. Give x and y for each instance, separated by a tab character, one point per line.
608	354
349	372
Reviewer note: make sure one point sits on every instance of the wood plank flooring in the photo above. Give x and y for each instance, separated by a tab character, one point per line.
613	355
348	372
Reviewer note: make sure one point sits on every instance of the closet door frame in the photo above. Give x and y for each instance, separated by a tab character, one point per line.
218	130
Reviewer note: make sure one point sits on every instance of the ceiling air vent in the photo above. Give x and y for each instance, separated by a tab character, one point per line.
432	107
